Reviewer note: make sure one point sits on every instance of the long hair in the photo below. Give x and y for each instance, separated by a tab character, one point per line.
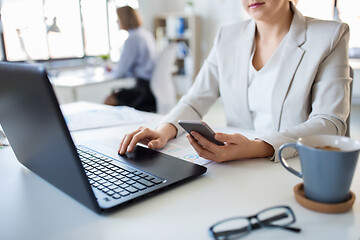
128	17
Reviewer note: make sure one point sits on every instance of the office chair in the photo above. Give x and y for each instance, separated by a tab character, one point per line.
347	133
161	84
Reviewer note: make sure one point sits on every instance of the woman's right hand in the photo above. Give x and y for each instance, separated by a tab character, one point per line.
154	139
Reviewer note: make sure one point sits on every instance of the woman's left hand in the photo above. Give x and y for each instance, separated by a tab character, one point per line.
237	146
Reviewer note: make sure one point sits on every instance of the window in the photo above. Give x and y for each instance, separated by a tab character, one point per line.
94	18
53	29
322	9
349	13
66	40
344	10
24	30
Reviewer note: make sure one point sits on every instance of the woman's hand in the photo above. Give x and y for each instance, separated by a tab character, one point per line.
236	146
154	139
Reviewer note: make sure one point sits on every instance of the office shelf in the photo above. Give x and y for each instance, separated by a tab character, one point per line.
183	29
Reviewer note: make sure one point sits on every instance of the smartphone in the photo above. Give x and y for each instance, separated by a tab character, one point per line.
200	127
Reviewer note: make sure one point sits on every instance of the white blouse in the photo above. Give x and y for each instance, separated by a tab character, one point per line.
260	89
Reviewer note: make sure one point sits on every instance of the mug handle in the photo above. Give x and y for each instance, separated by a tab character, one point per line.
283	161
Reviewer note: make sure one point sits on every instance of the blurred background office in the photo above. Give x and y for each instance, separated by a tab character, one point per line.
81	38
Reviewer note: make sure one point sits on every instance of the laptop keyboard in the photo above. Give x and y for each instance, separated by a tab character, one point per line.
113	180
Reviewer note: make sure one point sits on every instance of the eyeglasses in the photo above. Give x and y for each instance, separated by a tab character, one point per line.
238	227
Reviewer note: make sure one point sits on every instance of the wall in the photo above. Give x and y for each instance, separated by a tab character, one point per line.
149	9
214	13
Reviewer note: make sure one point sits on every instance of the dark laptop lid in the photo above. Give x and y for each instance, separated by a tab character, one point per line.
33	122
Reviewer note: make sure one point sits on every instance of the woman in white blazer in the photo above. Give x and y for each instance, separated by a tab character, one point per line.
280	73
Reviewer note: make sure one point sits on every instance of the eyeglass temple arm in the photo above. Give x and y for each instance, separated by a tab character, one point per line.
277	217
292	229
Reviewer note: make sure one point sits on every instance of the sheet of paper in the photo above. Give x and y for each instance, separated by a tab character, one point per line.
181	148
89	116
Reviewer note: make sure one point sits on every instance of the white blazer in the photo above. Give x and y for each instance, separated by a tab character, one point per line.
311	93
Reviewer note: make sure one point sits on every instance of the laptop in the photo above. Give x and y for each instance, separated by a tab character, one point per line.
95	176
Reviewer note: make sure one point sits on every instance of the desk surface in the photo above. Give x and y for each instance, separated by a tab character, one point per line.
92	85
31	208
85	77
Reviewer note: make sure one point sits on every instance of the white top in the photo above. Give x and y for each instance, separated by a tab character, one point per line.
260	90
138	57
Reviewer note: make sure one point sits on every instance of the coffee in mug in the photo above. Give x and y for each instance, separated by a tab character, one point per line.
328	164
329	148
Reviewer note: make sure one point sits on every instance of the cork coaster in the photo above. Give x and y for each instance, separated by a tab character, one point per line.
322	207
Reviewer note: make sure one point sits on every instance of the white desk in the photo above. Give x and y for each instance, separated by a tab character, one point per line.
30	208
87	85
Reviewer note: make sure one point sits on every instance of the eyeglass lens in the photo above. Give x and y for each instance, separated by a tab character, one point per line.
232	229
279	216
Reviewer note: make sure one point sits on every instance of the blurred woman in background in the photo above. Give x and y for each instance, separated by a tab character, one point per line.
137	60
